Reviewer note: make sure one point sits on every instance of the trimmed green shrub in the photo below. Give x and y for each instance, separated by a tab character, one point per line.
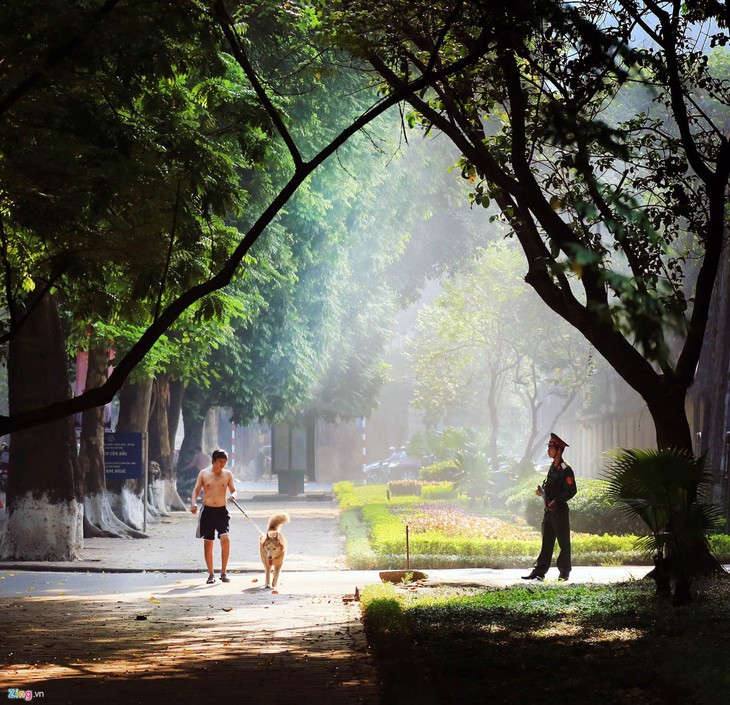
442	490
360	554
404	487
348	495
445	471
720	547
591	511
376	539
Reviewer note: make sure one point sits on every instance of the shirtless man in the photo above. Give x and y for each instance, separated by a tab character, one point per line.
214	481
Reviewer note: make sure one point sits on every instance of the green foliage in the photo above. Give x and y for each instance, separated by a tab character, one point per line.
720	547
384	525
474	470
440	445
357	545
136	171
664	490
344	493
348	495
446	470
383	607
460	370
400	488
390	637
441	490
600	136
469	641
592	510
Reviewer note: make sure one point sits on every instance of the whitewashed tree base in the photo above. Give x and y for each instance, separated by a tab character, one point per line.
98	513
128	508
156	497
173	500
38	530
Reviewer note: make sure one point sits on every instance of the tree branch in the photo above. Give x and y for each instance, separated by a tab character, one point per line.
228	27
105	393
169	252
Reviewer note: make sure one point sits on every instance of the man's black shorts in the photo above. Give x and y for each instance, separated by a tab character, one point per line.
214	519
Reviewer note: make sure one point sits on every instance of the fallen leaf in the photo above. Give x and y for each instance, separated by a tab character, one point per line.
226	609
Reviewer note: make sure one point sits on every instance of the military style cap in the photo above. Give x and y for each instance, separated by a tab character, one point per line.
558	441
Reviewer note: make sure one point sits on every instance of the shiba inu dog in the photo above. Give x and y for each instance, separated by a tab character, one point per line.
272	546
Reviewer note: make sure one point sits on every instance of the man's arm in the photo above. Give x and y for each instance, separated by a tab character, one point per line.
196	492
231	486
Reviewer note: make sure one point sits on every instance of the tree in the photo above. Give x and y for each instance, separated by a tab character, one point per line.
213	25
342	264
98	516
124	167
44	523
608	209
671	505
484	349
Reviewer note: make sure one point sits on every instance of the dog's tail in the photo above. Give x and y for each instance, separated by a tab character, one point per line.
277	520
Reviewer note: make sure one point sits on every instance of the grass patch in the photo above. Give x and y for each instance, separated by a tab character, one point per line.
546	644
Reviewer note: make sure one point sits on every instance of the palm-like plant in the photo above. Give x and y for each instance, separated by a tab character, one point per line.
665	488
473	470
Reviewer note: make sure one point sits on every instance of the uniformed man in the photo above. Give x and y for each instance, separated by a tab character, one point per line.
557	488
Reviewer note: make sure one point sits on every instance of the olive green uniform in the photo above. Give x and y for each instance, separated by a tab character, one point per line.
559	485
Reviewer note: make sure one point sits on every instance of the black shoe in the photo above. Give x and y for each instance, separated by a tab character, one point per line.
533	576
210	580
564	577
225	578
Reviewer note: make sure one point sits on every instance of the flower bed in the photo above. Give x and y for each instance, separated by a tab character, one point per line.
445	535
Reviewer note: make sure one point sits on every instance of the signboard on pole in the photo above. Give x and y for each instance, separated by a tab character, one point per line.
123	455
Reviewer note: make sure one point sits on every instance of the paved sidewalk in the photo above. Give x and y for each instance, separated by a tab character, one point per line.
134	621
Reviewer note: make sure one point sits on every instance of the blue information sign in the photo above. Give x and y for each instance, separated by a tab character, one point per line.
123	455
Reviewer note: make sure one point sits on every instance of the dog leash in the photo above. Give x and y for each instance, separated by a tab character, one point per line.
246	515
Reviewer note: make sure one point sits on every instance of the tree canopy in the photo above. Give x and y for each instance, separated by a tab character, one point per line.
597	130
486	350
147	120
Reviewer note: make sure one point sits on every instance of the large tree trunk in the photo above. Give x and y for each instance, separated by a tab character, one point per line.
712	385
99	519
195	407
126	495
670	419
164	492
177	392
45	516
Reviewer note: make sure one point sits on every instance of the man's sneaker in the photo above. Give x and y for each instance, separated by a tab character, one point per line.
211	579
564	577
225	578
